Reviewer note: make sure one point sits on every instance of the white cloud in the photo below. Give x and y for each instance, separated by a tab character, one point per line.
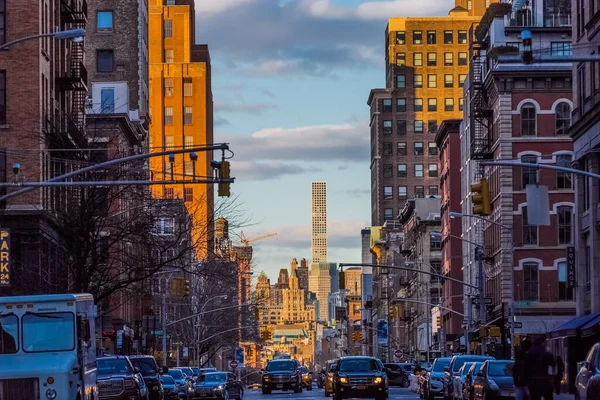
373	10
265	170
247	108
218	6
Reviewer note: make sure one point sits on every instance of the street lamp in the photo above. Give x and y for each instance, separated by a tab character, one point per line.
76	35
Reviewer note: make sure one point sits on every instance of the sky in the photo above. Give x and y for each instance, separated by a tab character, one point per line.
291	79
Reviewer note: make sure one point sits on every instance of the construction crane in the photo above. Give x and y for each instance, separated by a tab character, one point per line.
246	242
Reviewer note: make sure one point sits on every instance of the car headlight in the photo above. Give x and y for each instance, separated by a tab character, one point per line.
330	379
378	380
343	379
493	384
266	378
220	387
305	376
51	394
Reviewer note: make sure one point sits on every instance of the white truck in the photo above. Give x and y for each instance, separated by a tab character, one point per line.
47	347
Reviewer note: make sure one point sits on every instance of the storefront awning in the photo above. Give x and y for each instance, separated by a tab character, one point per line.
591	327
573	326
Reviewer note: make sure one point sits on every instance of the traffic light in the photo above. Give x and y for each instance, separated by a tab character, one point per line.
527	54
483	332
359	337
224	171
517	340
175	287
185	288
480	195
392	312
494	331
439	321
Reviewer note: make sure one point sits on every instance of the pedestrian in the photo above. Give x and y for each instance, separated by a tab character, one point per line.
560	371
539	364
519	373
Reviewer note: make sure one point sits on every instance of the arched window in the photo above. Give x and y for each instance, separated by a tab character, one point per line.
563	118
528	119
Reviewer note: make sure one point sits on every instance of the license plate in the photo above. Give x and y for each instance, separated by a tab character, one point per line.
361	387
279	386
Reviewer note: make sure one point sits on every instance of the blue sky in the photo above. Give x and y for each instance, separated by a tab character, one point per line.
290	83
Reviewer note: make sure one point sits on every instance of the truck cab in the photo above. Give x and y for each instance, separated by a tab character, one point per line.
47	347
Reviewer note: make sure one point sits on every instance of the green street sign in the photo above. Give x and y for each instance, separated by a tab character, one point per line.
524	303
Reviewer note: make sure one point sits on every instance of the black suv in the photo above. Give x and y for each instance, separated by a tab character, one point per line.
147	366
363	377
282	375
117	379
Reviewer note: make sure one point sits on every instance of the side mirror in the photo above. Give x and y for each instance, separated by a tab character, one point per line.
446	369
165	370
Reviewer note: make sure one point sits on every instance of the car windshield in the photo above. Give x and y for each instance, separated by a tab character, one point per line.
304	370
176	373
214	377
332	367
146	365
187	371
167	379
460	362
280	366
363	365
500	369
465	369
9	333
440	365
48	332
113	366
196	370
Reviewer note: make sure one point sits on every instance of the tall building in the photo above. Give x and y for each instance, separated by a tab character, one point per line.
353	278
319	222
263	288
295	309
181	109
319	282
367	291
426	65
302	273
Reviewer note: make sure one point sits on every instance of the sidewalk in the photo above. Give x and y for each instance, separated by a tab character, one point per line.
564	396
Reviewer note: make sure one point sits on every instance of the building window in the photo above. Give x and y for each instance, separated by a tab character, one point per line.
169	143
188	168
400	59
188	88
418	81
432	81
530	282
469	5
401	126
433	150
388	171
188	142
418	126
168	28
448	37
3	97
433	190
418	105
433	170
168	115
107	101
565	224
417	59
530	232
431	37
104	20
461	104
188	195
431	105
561	49
169	57
448	59
401	149
563	118
169	194
564	179
419	149
168	86
419	170
387	105
461	80
431	59
419	192
400	37
401	105
564	292
388	213
448	80
187	115
432	126
462	37
387	149
435	242
402	171
400	81
417	37
528	119
104	60
462	58
387	127
402	192
529	174
2	22
449	104
166	226
388	193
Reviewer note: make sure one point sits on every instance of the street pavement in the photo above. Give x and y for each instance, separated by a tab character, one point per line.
395	394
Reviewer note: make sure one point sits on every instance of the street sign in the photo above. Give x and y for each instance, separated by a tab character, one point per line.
538	211
571	275
487	301
233	364
398	353
518	324
465	322
5	258
523	303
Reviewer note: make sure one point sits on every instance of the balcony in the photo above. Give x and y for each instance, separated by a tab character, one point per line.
75	79
527	19
73	11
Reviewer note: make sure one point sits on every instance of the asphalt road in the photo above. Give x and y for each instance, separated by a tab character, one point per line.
395	394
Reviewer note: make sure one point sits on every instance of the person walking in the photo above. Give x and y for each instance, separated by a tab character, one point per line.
539	364
560	371
519	372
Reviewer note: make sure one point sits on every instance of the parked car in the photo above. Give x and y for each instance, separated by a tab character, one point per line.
117	379
306	378
189	374
587	382
147	366
362	377
195	371
433	385
468	389
331	367
170	388
397	375
495	381
457	392
218	385
282	374
183	383
451	374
